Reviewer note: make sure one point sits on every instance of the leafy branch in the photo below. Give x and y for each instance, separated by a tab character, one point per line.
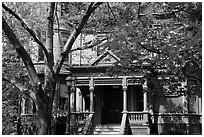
25	26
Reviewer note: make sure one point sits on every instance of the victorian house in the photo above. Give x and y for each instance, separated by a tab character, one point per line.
103	104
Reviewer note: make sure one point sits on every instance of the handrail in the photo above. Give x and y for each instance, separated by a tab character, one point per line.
89	125
123	124
176	114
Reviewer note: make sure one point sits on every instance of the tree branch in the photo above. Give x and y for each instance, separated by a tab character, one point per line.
58	26
7	123
21	52
151	50
13	82
21	88
88	46
24	25
111	10
74	35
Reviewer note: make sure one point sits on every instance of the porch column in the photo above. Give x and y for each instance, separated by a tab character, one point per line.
145	95
124	83
91	89
78	100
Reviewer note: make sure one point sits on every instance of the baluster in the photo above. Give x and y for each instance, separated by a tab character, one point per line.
139	117
131	117
81	117
136	117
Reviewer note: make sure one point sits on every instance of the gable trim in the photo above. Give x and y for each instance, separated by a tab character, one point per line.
102	56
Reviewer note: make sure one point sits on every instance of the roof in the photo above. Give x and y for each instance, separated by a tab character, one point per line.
105	59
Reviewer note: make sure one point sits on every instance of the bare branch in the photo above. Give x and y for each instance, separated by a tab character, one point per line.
21	52
13	82
89	46
7	123
111	10
25	26
23	90
74	35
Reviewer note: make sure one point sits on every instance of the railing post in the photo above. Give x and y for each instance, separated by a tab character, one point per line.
124	83
91	89
145	95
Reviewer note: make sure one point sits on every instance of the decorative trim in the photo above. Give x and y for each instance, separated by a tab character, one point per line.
82	83
108	82
102	56
135	81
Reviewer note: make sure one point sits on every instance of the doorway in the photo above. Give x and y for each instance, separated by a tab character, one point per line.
60	126
112	105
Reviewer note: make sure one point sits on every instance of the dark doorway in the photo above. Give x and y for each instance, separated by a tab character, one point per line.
112	105
60	126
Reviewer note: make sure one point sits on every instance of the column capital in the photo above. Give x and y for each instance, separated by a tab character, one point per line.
124	83
124	87
91	84
91	88
144	85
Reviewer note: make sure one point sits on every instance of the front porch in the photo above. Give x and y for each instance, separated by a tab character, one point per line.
120	101
107	99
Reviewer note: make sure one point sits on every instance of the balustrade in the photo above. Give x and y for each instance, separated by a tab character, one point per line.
138	117
80	117
186	118
166	121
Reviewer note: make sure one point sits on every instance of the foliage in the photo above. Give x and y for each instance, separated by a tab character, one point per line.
10	95
159	38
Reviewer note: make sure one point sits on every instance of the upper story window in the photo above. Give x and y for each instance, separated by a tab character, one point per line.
87	55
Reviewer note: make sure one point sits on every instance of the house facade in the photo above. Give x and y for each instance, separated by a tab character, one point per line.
104	104
122	104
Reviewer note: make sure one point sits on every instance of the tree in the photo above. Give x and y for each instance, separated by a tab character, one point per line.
146	36
44	92
158	35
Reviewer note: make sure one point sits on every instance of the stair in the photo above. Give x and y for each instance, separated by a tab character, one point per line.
109	129
139	129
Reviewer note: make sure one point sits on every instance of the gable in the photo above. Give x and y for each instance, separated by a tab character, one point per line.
106	59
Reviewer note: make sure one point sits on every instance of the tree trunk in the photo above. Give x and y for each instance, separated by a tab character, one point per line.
49	80
44	96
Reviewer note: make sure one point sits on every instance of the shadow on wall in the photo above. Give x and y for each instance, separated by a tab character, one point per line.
171	118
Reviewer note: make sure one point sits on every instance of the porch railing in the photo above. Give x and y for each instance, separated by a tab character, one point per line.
89	125
138	117
182	123
79	117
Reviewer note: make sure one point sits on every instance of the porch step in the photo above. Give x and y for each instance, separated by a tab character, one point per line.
139	129
110	129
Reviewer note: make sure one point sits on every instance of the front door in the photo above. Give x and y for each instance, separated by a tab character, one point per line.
112	105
